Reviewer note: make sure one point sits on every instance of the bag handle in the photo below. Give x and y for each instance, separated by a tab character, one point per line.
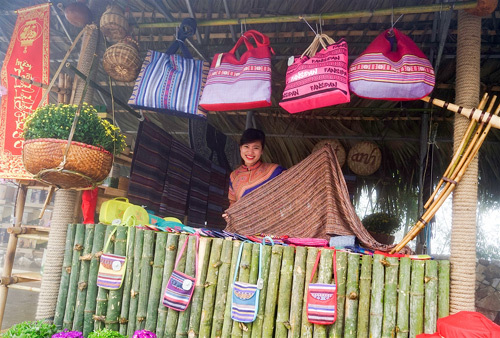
259	38
334	265
320	39
186	30
259	279
196	253
111	235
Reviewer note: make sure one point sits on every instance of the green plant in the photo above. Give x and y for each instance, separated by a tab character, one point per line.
38	329
381	223
55	121
105	333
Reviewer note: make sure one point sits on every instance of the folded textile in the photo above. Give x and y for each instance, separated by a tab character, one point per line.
341	241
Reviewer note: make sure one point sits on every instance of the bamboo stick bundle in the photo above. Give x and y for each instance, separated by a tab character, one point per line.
430	304
223	285
298	288
145	283
102	294
115	296
404	297
210	288
324	274
365	279
156	281
377	299
243	276
127	283
390	297
136	281
168	267
83	278
253	278
266	264
444	289
66	271
272	291
172	315
285	287
337	329
352	296
307	328
199	288
183	322
227	326
91	300
73	279
417	298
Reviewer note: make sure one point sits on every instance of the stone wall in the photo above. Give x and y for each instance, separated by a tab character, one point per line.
488	289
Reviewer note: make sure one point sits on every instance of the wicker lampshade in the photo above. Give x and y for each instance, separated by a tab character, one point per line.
121	61
114	24
364	158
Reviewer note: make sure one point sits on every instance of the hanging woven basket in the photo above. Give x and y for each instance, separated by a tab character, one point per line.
121	61
86	166
114	24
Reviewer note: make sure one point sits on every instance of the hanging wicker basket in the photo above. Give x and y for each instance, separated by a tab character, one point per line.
114	24
86	166
364	158
121	61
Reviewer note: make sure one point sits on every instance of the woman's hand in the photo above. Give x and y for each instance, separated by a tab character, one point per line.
226	217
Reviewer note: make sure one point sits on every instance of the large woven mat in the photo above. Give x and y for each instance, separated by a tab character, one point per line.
308	200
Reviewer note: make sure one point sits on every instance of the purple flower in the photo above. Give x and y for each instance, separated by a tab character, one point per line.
68	334
144	334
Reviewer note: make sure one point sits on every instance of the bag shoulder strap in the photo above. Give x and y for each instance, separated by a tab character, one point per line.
320	39
186	30
334	259
259	38
108	240
184	248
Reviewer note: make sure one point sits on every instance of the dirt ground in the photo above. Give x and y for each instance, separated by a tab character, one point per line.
21	306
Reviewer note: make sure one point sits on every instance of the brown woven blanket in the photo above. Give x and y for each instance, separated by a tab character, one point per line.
308	200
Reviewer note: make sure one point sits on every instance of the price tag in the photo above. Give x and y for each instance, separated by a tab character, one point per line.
291	59
219	60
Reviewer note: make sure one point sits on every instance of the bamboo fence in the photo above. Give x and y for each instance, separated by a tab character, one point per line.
377	296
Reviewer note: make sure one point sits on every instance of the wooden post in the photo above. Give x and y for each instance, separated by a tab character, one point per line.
390	297
430	304
298	289
404	297
364	295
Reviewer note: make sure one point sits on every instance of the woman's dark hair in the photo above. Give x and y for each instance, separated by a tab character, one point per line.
252	135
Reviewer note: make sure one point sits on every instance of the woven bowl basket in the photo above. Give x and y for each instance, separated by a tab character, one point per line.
336	145
122	62
364	158
85	165
114	24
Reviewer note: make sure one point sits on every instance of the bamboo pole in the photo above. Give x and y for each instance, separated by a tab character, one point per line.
115	296
337	329
136	281
352	295
377	299
417	298
84	278
298	284
364	296
210	288
183	322
307	328
102	294
430	305
444	289
91	300
243	276
156	281
404	297
223	285
73	279
127	284
324	274
199	289
266	264
285	287
228	322
272	291
66	271
253	279
390	297
145	283
168	267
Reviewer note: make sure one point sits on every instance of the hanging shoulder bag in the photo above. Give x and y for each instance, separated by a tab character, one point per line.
112	267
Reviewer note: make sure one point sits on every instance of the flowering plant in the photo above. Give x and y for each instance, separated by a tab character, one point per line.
55	121
144	334
68	334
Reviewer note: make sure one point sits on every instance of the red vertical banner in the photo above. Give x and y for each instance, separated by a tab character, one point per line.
28	56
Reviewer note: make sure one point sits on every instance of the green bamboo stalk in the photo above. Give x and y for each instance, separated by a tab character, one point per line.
170	255
145	283
324	274
390	297
73	279
190	270
115	296
253	279
243	276
223	283
83	278
266	264
352	292
136	281
431	283
377	299
444	289
227	326
417	298
91	300
365	280
199	289
307	328
211	287
337	329
285	287
102	294
272	291
66	271
127	284
404	298
298	284
156	281
173	316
